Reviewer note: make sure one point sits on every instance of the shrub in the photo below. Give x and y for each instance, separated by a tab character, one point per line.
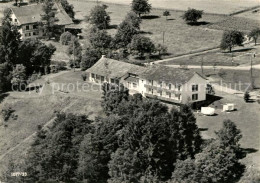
65	38
84	76
7	113
34	77
246	96
192	15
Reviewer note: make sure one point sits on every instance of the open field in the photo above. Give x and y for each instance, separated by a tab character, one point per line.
237	80
239	56
246	118
179	37
253	14
209	6
237	23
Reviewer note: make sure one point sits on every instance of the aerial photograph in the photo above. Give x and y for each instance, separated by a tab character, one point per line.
129	91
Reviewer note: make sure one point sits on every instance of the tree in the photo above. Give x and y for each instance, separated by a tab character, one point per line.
141	7
186	171
189	139
5	77
231	39
192	15
75	50
48	20
141	45
229	136
124	35
255	33
161	49
65	38
10	39
113	95
19	78
89	58
246	96
97	147
54	154
35	55
133	18
99	39
68	8
166	14
218	164
99	17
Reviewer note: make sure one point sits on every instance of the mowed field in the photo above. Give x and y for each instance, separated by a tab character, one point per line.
179	37
239	56
209	6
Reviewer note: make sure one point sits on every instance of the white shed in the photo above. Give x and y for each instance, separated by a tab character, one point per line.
229	107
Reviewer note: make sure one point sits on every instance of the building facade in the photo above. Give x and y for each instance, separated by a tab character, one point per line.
27	19
171	85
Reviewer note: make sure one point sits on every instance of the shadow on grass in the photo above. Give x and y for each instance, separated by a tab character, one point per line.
3	96
243	50
77	21
198	23
245	151
113	27
169	19
203	129
145	32
150	17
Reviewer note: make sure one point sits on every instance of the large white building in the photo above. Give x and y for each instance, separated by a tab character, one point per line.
27	18
173	85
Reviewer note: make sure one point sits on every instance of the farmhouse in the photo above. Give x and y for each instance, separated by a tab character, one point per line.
27	19
167	84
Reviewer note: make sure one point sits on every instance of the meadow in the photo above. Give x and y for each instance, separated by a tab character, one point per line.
209	6
239	56
179	37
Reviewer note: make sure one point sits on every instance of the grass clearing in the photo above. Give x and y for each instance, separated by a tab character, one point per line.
209	6
180	38
246	118
239	56
60	53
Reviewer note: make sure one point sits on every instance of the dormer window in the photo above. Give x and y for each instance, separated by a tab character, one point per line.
15	20
27	27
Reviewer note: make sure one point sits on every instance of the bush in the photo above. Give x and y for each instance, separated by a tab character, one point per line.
60	65
7	113
192	15
84	76
246	96
34	77
65	38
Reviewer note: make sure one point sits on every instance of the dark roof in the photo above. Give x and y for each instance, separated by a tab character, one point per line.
118	69
114	68
168	74
32	13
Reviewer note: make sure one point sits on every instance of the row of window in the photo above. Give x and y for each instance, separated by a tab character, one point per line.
30	34
27	27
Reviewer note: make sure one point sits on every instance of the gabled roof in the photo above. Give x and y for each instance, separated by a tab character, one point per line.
114	68
168	74
33	13
120	69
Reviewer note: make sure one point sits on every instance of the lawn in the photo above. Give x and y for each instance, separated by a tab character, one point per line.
239	56
209	6
246	118
253	14
237	23
233	79
180	38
